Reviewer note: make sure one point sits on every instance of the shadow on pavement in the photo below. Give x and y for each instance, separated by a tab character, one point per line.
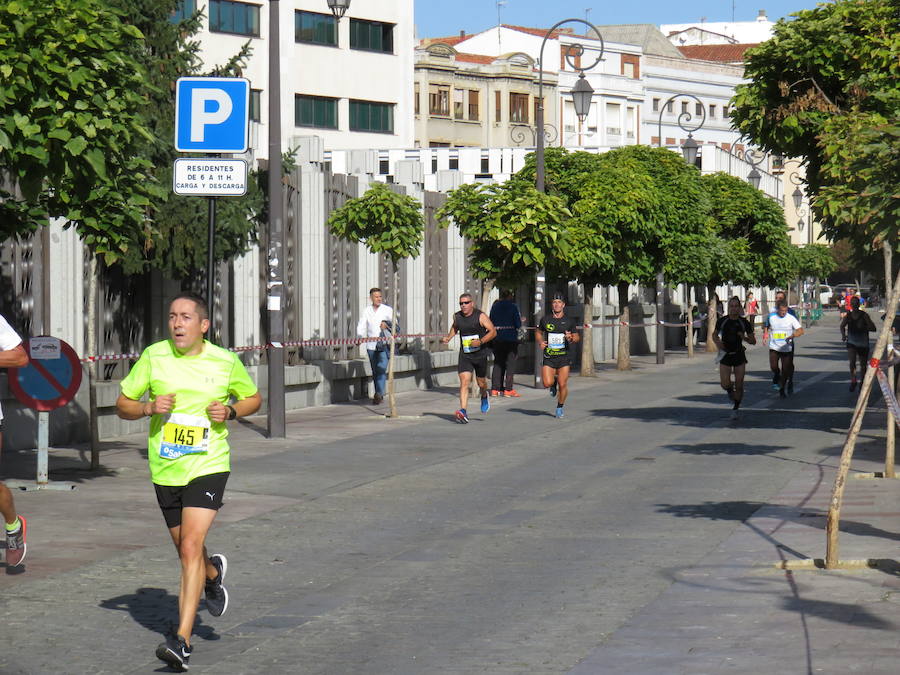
691	416
533	413
726	449
742	511
157	610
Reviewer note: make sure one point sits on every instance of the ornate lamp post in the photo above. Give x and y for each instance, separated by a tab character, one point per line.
275	418
690	146
581	98
752	157
689	150
801	209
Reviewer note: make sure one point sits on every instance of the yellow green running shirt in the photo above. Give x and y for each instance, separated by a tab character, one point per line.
185	443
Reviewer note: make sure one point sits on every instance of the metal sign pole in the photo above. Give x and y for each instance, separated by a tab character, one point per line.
211	266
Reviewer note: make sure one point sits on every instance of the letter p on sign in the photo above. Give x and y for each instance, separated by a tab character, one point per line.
212	114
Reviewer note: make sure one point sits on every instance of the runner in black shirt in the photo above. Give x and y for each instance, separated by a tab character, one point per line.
475	329
555	332
732	330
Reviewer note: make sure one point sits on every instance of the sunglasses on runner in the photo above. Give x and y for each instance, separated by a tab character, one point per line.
465	302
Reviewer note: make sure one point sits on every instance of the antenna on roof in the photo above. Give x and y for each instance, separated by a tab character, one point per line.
500	3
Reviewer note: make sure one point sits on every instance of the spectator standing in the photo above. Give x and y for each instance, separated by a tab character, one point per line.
506	318
375	320
751	307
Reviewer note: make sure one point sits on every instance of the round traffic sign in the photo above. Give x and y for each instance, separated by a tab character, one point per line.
51	378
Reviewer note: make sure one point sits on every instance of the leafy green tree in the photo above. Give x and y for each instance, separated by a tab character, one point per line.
514	230
824	88
178	246
387	223
72	107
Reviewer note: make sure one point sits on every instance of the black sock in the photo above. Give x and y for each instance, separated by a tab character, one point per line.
560	405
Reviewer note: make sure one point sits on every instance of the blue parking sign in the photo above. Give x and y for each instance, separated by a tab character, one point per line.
212	114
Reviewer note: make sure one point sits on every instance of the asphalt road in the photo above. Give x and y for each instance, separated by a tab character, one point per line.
516	544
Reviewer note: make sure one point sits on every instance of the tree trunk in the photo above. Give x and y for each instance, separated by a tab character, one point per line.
834	511
392	401
690	329
712	316
587	339
891	428
623	351
92	348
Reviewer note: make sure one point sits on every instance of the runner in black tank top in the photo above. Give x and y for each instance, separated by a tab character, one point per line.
475	329
732	330
556	332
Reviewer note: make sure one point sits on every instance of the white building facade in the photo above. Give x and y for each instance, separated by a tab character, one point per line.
349	81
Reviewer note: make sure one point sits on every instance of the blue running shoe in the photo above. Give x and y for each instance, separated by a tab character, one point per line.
559	413
462	417
485	404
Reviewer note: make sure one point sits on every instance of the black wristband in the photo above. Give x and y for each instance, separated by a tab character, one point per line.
232	413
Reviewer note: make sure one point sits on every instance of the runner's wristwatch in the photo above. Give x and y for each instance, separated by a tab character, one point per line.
232	413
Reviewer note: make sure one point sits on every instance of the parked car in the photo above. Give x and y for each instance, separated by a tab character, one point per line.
826	292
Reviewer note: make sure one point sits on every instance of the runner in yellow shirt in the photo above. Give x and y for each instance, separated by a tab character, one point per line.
190	382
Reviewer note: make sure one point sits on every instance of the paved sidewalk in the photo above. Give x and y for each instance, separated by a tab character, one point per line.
330	584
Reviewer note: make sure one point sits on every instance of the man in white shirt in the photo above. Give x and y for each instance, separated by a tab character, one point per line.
12	355
376	318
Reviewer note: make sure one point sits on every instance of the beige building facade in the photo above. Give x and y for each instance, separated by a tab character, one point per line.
470	100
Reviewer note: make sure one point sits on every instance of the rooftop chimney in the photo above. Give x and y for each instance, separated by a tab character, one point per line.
762	16
462	33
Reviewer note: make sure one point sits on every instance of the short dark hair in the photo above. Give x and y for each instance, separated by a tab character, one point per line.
777	293
375	290
506	294
781	303
854	302
465	295
198	300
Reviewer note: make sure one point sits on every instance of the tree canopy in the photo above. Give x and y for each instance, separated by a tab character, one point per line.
72	123
824	88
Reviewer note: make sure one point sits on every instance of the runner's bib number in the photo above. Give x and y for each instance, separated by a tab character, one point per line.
556	340
184	435
781	336
468	348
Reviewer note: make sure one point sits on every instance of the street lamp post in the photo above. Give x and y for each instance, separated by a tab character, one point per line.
581	98
752	157
689	150
276	251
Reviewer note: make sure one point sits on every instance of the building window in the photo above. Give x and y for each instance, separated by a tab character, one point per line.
631	66
375	36
416	98
473	104
239	18
725	112
315	111
498	106
185	10
684	106
669	107
315	28
656	105
371	116
439	100
518	108
698	109
459	104
712	111
255	107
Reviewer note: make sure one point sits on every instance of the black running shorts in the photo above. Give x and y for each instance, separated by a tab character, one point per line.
558	361
203	492
467	364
